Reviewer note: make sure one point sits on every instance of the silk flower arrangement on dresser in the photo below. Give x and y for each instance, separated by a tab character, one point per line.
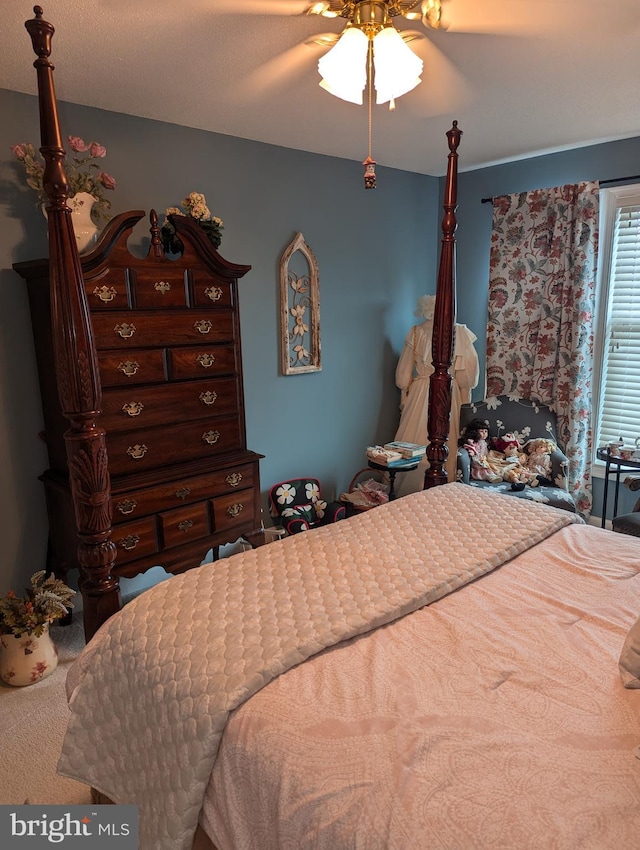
87	184
166	332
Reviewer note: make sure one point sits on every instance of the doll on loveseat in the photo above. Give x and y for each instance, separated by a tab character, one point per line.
475	440
507	455
538	458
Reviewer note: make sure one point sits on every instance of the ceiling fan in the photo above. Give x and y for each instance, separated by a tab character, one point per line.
370	42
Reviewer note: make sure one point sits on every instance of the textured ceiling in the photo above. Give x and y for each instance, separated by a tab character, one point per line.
522	77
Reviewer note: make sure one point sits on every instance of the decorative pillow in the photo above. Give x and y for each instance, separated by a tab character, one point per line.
298	518
629	663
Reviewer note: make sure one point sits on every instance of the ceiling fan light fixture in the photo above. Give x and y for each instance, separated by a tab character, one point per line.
397	68
344	68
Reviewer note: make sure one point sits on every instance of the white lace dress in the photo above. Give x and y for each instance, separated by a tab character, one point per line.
413	374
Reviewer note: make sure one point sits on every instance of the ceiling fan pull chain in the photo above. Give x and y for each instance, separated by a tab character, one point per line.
369	163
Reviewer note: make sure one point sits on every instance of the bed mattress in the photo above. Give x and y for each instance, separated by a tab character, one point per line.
494	719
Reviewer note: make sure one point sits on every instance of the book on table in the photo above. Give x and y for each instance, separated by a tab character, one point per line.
407	450
391	459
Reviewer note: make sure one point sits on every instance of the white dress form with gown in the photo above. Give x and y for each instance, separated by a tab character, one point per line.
413	374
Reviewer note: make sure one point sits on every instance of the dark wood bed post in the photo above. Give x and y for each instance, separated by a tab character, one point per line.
77	372
444	317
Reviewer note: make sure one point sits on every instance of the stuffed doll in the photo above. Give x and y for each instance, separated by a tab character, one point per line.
513	462
476	441
539	451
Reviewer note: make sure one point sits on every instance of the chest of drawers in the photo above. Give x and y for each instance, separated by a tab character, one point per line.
166	334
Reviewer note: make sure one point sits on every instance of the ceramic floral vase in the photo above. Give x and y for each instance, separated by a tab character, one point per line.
27	659
84	227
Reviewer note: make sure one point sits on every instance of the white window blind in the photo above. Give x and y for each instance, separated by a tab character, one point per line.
619	407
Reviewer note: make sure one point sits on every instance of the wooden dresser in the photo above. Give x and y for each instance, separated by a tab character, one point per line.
167	337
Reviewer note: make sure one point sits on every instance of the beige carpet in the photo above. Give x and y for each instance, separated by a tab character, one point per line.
33	720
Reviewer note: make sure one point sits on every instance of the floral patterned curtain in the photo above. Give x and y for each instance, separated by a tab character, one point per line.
544	248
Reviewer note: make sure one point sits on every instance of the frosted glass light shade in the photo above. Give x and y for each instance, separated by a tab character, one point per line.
344	68
397	68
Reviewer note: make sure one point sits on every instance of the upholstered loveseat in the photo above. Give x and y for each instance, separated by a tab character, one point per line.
526	420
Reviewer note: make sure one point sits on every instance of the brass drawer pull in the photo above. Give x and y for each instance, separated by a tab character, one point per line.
211	437
206	360
162	286
208	397
105	293
183	492
129	542
138	451
233	479
127	506
203	326
213	292
125	330
235	509
132	408
185	525
129	367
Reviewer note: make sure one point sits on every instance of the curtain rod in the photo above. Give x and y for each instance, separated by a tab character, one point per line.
602	183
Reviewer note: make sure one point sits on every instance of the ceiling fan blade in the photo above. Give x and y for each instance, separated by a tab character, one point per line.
260	7
323	39
280	70
443	89
526	18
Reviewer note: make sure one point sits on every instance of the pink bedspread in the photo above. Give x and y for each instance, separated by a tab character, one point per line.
494	718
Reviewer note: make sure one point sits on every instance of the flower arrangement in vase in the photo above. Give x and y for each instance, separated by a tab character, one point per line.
27	653
83	172
47	599
193	206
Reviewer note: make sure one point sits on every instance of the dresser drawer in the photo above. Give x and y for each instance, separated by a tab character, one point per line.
148	500
132	367
109	291
141	328
142	407
158	288
234	509
200	361
135	539
141	449
209	291
184	524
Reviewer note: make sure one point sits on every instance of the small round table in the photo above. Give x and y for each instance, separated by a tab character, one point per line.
619	463
393	471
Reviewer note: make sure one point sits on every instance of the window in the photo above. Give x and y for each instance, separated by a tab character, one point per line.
617	351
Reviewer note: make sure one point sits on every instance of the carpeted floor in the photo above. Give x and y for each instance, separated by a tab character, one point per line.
33	720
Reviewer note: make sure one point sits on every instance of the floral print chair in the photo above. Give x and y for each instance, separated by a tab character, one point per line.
299	506
526	420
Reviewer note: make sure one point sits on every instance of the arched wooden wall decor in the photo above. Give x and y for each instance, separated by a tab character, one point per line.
299	309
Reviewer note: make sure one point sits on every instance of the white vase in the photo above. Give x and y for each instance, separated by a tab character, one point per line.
27	659
84	228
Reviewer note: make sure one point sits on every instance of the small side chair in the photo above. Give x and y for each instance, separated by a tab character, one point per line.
629	523
299	506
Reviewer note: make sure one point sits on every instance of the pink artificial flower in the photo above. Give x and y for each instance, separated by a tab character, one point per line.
19	150
97	150
107	180
77	144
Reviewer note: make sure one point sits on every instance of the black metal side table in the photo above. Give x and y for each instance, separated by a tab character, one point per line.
392	472
619	465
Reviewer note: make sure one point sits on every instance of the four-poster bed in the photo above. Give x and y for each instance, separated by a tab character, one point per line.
439	671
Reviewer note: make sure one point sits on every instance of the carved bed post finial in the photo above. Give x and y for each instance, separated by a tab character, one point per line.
77	372
443	328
